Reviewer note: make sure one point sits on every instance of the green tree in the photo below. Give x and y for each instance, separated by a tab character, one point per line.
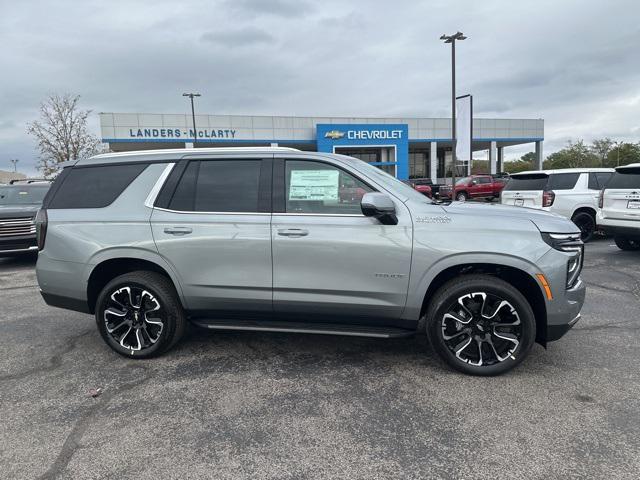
574	155
524	163
623	154
601	149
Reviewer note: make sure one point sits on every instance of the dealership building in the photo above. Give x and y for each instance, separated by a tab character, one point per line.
404	147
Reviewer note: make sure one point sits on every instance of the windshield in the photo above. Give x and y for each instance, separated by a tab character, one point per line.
533	181
391	181
463	181
22	194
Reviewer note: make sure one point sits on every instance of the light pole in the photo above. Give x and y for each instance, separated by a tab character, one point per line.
452	40
15	164
193	116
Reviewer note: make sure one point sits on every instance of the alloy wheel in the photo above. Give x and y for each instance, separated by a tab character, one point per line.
134	318
481	329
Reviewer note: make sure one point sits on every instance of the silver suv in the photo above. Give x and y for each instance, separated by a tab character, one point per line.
275	239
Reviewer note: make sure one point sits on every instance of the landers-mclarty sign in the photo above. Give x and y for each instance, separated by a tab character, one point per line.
180	133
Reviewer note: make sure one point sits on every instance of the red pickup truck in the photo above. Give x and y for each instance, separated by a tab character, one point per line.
474	186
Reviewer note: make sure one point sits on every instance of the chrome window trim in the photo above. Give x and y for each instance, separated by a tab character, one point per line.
153	194
292	214
195	212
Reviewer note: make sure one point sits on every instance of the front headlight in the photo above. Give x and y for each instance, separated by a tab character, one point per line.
569	243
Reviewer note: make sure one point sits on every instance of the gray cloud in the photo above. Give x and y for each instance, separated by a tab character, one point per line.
573	63
240	37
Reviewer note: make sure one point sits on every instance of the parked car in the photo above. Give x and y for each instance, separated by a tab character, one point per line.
19	203
570	192
619	213
425	186
255	239
474	186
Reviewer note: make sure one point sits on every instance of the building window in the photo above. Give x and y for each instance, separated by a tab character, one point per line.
418	163
369	155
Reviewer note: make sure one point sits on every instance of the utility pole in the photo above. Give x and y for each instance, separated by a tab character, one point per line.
15	164
452	40
193	116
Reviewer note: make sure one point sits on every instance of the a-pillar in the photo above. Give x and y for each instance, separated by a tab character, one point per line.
500	159
433	161
493	155
539	155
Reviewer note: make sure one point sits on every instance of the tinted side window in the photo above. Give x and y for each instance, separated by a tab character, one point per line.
603	178
218	186
483	180
94	187
315	187
563	181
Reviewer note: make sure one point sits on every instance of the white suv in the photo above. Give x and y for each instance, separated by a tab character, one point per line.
570	192
620	207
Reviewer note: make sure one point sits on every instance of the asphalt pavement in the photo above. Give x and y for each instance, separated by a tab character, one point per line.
259	405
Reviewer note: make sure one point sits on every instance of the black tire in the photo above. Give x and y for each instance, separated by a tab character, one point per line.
625	243
462	196
508	354
160	297
587	225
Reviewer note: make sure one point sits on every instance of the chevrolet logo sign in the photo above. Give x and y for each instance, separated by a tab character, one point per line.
334	134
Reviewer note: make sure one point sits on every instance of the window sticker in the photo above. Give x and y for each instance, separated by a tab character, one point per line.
316	185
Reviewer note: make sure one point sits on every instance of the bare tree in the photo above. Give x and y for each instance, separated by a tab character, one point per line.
62	133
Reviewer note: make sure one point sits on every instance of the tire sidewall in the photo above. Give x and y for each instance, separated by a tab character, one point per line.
168	328
461	197
593	224
450	292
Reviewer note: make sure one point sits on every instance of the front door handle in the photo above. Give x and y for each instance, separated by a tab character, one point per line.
293	232
178	230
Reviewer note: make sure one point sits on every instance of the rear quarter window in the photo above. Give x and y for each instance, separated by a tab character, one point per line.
625	178
93	187
563	181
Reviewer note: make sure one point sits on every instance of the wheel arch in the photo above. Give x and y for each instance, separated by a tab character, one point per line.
523	281
117	263
590	210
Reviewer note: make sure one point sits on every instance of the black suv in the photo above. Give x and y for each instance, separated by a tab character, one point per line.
19	203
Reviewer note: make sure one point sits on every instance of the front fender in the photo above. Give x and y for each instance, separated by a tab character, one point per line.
419	284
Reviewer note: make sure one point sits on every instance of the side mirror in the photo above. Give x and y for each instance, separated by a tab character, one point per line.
472	183
380	206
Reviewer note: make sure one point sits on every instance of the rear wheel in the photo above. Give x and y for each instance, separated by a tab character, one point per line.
139	314
625	243
480	325
586	223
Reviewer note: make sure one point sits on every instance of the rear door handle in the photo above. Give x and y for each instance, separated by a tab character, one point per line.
178	230
293	232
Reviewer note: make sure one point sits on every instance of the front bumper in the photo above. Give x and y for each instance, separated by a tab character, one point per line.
18	244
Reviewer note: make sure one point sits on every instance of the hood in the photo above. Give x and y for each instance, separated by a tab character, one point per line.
544	221
10	211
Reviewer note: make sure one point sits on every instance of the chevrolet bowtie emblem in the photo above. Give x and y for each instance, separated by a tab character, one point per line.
334	134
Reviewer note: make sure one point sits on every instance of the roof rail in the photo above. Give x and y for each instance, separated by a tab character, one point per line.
29	180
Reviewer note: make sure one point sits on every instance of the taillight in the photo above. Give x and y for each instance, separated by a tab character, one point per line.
547	198
601	199
41	227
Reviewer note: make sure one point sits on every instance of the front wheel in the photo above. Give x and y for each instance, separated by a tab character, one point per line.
587	225
461	197
625	243
480	325
139	314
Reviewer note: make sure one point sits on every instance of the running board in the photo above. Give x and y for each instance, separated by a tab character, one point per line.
298	327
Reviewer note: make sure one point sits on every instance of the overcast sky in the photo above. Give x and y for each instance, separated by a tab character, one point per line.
574	63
